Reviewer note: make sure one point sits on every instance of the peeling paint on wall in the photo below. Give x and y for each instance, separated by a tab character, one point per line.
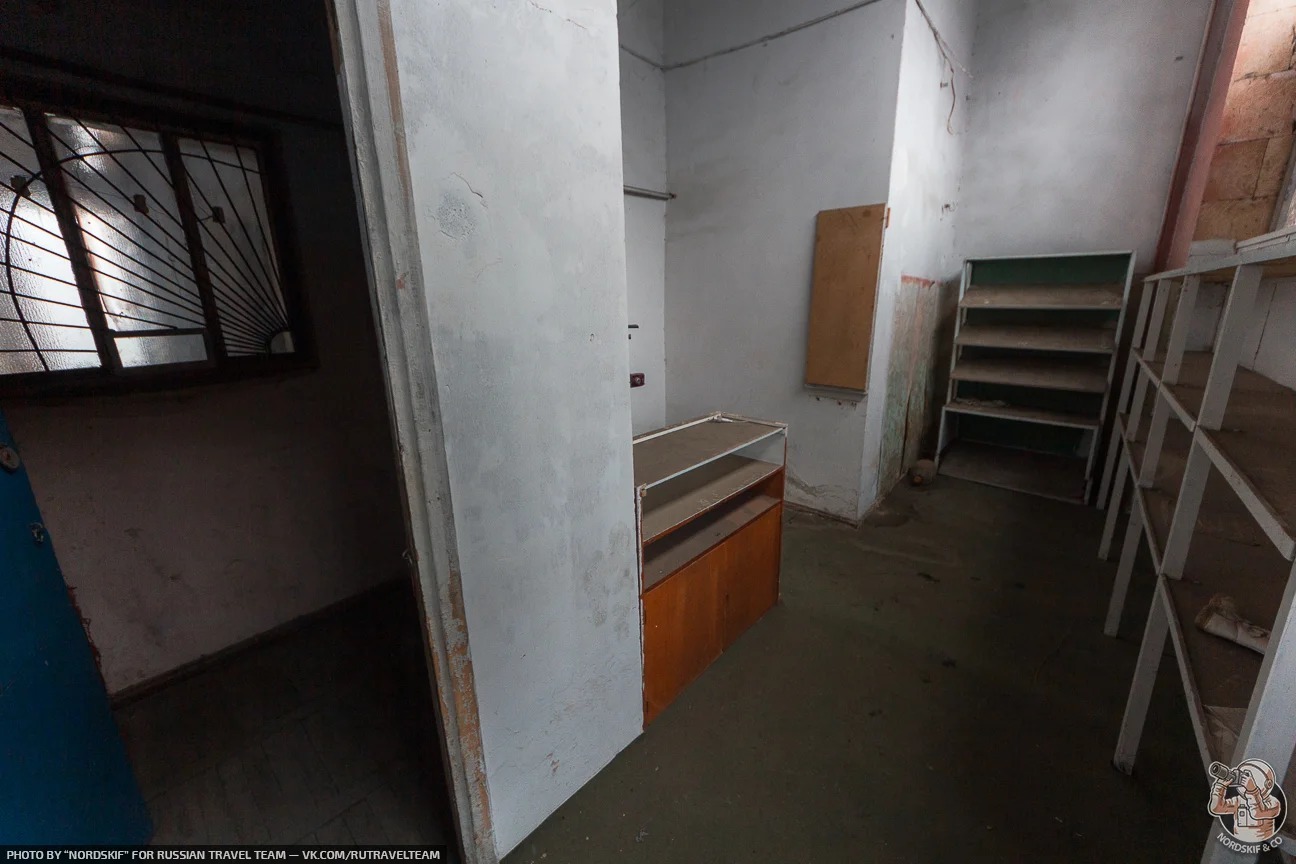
927	165
919	366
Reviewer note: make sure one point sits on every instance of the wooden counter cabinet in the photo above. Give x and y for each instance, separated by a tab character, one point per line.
710	518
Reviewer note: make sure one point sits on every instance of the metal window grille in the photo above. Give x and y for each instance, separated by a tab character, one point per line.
126	249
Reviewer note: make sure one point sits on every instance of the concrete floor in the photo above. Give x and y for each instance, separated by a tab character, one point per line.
324	734
934	686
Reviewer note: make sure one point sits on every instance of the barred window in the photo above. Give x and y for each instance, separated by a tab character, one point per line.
127	250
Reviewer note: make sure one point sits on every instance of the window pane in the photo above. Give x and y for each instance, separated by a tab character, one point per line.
161	350
130	223
121	191
18	362
225	183
54	338
79	359
40	307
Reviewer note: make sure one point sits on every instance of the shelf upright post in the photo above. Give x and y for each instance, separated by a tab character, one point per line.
1118	494
1117	470
945	434
1228	348
1179	329
1228	345
1145	672
1137	341
1174	360
1136	405
1157	322
1155	439
1116	606
1150	347
1191	490
1270	725
1122	405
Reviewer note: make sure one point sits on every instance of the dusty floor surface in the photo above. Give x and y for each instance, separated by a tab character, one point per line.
323	735
934	686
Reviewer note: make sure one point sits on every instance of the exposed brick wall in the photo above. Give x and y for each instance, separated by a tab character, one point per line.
1255	143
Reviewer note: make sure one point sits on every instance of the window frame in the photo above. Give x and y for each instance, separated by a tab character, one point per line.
42	97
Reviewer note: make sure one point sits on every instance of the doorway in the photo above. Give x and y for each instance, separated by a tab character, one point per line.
232	532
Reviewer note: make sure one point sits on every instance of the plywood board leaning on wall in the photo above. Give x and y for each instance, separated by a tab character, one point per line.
843	294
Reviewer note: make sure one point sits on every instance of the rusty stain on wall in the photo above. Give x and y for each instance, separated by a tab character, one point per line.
916	374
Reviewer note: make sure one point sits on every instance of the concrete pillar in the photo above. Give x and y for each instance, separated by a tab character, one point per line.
487	148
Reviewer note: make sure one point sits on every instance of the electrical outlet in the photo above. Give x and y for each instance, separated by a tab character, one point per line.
636	379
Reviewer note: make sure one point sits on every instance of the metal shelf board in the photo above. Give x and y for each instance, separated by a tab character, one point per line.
1061	478
678	501
1250	458
1036	373
1214	671
1027	415
1277	262
1100	297
1079	340
667	453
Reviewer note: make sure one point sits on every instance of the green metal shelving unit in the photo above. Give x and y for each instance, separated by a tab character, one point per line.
1031	374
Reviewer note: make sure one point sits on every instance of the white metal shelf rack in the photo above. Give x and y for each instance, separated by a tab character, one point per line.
1209	448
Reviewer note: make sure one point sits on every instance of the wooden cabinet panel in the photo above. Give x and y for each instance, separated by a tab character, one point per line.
751	579
682	629
692	616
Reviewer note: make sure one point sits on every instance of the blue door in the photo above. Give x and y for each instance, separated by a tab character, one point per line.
64	776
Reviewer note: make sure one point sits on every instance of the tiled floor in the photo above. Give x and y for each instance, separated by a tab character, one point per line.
326	735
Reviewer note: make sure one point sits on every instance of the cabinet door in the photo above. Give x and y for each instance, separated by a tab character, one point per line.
751	576
691	617
682	629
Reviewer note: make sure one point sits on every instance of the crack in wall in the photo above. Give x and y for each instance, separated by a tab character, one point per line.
563	17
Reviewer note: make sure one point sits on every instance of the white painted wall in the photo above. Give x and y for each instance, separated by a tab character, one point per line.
645	222
188	521
1077	111
1076	115
643	135
512	123
759	141
1270	343
1271	347
926	166
697	29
